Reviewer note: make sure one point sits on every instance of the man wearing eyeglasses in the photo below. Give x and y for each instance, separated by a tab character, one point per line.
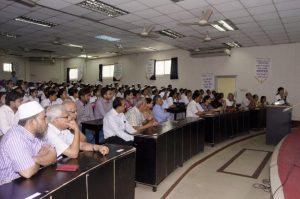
59	134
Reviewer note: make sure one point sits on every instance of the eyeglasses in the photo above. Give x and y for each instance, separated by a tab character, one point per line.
71	111
64	117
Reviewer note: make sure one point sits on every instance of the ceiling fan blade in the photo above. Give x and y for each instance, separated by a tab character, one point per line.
189	24
220	37
149	28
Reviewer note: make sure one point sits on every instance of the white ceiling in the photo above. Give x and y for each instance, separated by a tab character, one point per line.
260	22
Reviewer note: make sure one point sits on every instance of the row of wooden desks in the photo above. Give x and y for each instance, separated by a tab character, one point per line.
161	149
110	177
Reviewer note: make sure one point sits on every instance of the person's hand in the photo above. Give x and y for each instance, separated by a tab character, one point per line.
73	125
154	123
103	149
44	149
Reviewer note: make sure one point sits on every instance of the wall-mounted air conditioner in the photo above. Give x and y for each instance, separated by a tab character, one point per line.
210	52
50	60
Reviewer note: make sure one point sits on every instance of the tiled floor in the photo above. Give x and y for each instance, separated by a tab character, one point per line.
204	182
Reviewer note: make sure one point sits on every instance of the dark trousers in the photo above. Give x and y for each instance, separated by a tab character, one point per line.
119	141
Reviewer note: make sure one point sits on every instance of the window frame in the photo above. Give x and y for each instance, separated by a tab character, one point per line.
112	72
73	79
161	75
11	67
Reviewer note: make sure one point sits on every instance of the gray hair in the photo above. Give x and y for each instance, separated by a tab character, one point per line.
140	102
54	112
68	102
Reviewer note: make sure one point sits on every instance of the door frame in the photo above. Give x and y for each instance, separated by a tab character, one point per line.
226	76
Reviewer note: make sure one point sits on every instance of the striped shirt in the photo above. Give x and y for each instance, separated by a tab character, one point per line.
17	147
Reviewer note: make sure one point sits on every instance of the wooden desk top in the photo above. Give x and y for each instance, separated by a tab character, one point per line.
93	122
155	132
48	179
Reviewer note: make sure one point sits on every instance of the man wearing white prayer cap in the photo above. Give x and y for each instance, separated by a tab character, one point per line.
23	148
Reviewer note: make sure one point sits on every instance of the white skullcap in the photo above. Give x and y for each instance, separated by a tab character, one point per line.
15	87
29	109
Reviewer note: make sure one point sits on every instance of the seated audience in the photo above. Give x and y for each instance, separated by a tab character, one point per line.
2	98
23	149
281	95
263	102
85	112
159	113
128	96
194	108
172	99
50	100
71	108
206	104
230	101
73	93
8	112
117	129
248	102
62	95
136	118
33	95
59	134
186	97
148	115
104	103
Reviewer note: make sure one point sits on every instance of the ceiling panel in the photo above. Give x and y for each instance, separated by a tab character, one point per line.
257	20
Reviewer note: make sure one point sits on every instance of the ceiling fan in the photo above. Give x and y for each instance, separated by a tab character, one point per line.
203	20
148	32
208	38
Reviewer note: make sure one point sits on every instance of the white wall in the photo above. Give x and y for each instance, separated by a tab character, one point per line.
47	71
21	64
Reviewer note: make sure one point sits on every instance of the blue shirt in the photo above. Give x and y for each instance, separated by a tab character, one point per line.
160	114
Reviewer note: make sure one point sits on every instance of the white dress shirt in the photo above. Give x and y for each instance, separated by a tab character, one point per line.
184	99
229	103
193	108
7	119
61	140
115	124
46	102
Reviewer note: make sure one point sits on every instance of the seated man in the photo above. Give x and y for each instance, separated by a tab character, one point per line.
160	114
85	112
71	108
103	104
59	134
116	128
23	149
136	118
8	112
194	108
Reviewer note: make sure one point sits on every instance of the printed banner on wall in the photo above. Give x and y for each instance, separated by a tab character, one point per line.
149	68
208	81
118	72
262	69
79	73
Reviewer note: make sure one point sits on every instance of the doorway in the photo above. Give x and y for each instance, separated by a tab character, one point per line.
226	84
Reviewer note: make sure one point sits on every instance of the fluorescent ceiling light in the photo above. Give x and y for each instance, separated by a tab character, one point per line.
233	44
35	22
171	33
226	25
104	8
107	38
149	48
73	45
86	56
219	28
8	35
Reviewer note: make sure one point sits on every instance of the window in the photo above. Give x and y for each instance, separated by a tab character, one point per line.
108	71
73	74
163	67
7	67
